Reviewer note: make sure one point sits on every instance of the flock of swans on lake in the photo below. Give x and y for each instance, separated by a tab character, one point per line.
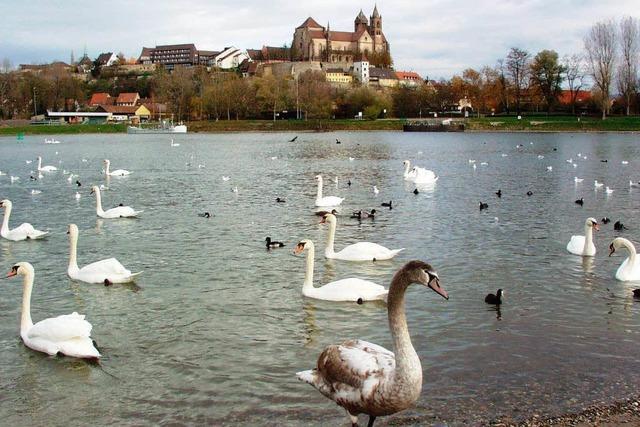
361	377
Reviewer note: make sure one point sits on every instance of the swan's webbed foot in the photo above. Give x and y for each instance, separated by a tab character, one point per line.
107	282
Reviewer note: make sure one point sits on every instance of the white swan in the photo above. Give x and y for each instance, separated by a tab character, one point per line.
45	168
365	378
419	175
107	271
629	270
583	245
117	212
174	144
117	172
69	334
362	251
23	232
328	200
352	289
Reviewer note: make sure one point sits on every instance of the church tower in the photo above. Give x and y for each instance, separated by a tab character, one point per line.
360	22
376	23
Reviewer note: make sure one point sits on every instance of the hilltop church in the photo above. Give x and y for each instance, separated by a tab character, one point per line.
313	42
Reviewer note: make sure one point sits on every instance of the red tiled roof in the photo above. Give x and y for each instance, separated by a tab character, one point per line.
310	23
100	98
120	109
408	75
582	96
127	98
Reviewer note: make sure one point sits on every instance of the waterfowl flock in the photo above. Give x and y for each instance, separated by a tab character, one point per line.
361	377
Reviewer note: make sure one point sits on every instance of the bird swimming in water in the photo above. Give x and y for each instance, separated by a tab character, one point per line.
387	205
529	193
580	201
205	215
499	193
483	205
494	299
606	220
618	226
338	141
279	200
272	243
416	191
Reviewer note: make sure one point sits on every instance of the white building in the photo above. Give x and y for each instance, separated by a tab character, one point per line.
230	57
361	71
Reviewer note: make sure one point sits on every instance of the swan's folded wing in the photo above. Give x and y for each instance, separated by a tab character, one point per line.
25	228
353	362
61	328
105	266
355	286
122	211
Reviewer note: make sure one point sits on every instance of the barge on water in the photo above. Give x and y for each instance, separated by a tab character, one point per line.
446	125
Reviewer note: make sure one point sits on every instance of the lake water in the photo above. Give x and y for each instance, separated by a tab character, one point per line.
216	327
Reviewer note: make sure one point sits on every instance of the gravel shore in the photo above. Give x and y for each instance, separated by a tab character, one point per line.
624	413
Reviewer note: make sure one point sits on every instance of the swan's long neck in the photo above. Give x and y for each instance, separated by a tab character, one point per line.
406	169
25	318
39	163
408	369
632	253
328	250
73	252
5	220
106	169
98	202
588	237
308	273
319	196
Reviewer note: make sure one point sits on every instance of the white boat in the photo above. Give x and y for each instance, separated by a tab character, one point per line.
164	128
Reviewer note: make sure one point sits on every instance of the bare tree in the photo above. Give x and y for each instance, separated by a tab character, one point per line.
600	44
6	65
627	76
574	74
518	67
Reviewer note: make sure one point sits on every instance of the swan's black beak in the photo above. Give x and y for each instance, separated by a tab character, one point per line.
612	249
434	284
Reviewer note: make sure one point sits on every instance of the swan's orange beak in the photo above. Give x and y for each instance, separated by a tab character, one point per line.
434	284
596	227
13	272
298	249
323	220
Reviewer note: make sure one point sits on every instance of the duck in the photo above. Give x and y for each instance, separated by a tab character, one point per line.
45	168
365	378
351	289
580	201
117	212
205	215
78	183
494	299
280	200
387	205
416	192
117	172
361	251
618	226
629	270
106	271
499	193
529	193
338	141
583	245
68	334
484	206
272	243
24	231
323	212
605	220
326	201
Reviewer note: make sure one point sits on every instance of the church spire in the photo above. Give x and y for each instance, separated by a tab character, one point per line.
375	12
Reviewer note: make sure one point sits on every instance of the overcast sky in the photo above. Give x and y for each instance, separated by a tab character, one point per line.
436	38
